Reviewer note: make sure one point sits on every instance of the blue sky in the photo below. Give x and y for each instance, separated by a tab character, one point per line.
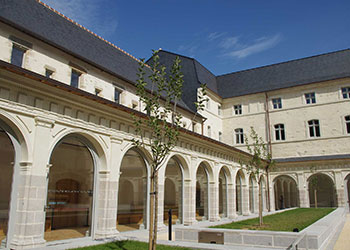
224	36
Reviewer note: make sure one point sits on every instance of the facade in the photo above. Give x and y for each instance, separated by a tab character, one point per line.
68	165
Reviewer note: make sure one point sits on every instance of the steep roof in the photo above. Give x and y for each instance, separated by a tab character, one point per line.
287	74
48	25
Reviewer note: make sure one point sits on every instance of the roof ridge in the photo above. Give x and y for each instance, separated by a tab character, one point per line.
293	60
86	29
177	54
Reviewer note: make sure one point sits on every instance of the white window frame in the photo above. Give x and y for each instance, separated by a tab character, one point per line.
237	109
239	136
347	124
314	126
280	132
345	92
277	103
310	98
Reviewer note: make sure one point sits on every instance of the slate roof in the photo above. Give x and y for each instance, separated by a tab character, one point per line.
48	25
287	74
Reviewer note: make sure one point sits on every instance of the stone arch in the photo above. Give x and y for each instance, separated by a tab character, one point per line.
285	191
225	178
347	191
134	167
240	181
175	170
204	175
75	162
13	152
321	187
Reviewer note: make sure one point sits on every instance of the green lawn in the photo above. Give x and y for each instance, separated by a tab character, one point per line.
286	221
130	245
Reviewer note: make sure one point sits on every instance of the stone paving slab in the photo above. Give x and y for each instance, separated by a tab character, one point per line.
343	242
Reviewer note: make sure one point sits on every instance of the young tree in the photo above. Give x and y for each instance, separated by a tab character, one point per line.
159	96
258	163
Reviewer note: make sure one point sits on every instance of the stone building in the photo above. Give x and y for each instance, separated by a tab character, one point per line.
69	168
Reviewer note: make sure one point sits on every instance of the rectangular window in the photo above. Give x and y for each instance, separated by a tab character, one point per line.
194	126
347	124
219	109
314	128
48	73
345	92
117	95
279	132
239	135
74	80
17	55
220	136
238	109
310	98
277	103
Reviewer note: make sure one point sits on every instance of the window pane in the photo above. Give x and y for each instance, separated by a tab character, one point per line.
74	82
116	95
17	56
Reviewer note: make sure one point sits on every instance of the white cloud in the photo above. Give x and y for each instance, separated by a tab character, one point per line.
229	42
86	13
260	44
215	35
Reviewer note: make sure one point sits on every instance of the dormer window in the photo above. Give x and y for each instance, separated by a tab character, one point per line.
74	81
17	55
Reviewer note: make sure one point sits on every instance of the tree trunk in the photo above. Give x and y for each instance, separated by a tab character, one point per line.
260	206
268	190
315	193
151	214
155	230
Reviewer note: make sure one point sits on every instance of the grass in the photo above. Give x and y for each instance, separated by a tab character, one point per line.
130	245
286	221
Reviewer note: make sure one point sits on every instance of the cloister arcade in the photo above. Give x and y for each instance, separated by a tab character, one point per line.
84	195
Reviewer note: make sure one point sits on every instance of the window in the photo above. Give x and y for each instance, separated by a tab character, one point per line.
346	92
310	98
134	104
220	136
209	131
98	91
219	109
194	126
279	132
347	124
17	55
314	128
74	80
277	103
117	93
239	135
238	109
48	73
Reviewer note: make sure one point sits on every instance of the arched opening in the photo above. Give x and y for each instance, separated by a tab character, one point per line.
7	158
286	192
173	191
252	197
239	192
321	189
222	193
70	189
202	193
347	192
132	202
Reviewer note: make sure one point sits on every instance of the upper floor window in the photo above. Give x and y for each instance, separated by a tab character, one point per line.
347	124
74	80
219	109
220	136
194	126
49	73
239	135
345	92
277	103
209	131
17	55
117	93
310	98
279	132
237	109
314	128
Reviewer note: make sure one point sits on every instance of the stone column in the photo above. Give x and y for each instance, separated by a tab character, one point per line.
32	190
304	200
288	198
256	198
189	202
107	199
245	200
339	188
213	201
272	196
160	215
231	201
